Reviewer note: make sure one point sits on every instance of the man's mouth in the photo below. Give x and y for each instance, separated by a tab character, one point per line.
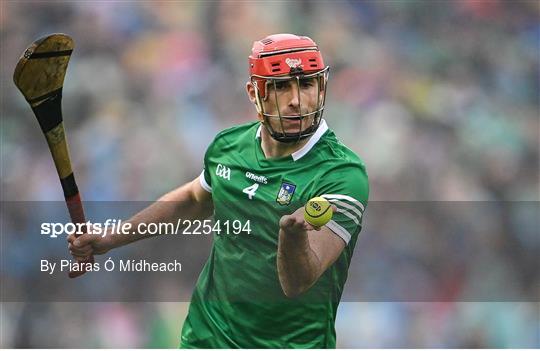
292	124
291	116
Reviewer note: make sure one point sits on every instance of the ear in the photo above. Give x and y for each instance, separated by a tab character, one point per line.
322	83
252	94
250	89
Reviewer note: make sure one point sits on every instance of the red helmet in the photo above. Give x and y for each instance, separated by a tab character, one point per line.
283	57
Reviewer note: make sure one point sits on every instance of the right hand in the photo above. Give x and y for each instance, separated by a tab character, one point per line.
86	245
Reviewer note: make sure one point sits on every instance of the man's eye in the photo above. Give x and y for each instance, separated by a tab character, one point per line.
280	85
306	83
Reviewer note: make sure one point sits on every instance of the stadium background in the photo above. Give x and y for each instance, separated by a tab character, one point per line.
440	98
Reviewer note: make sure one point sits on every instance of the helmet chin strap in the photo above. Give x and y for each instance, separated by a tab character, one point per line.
290	138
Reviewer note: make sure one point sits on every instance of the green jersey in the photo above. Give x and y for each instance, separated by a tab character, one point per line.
238	301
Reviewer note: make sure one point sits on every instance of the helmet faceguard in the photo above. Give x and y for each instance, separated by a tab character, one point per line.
287	59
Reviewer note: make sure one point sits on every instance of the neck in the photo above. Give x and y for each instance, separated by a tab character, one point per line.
273	148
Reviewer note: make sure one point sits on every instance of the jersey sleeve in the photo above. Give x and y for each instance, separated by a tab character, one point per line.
347	188
204	179
205	184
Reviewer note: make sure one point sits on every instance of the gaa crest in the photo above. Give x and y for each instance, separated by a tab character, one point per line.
286	193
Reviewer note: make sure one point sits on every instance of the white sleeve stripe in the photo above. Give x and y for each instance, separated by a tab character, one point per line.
339	231
347	206
203	182
344	197
348	214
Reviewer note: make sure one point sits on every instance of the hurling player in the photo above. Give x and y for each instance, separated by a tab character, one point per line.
278	282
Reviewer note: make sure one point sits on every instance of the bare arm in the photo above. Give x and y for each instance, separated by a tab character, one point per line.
304	253
190	201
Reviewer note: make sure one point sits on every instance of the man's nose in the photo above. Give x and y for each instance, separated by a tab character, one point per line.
294	95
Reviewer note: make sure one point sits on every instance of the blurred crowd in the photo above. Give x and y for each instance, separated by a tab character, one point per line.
439	98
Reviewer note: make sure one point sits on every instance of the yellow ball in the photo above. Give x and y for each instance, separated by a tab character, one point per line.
318	211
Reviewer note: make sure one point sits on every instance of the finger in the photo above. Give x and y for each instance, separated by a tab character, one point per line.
85	239
311	227
292	227
297	224
334	208
85	250
80	254
286	221
79	257
82	259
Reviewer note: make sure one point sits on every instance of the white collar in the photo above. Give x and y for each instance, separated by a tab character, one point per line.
323	127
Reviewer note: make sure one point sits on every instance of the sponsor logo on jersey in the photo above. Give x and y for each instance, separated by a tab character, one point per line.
286	193
223	172
257	178
293	62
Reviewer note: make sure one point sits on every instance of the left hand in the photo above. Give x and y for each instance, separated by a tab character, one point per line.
295	222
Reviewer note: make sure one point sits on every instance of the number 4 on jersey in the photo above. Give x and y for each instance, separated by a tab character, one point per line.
250	190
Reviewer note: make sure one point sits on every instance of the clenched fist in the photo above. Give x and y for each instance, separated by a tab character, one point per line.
82	247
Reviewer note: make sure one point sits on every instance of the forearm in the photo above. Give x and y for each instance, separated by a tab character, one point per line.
298	265
179	203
